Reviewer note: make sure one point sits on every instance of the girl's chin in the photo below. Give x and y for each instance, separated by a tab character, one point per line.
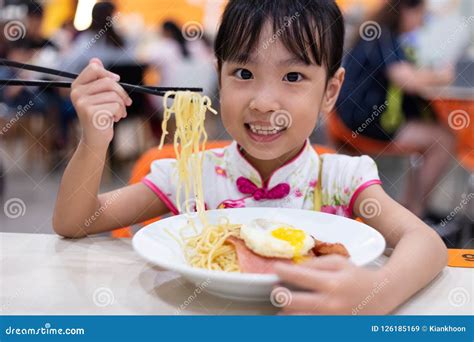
264	151
265	156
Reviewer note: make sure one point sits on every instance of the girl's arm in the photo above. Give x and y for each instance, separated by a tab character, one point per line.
80	211
99	102
419	253
338	287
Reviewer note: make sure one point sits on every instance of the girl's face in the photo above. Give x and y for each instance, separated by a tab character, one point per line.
270	104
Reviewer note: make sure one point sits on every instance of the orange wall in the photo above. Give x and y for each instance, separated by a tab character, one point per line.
155	12
56	13
368	4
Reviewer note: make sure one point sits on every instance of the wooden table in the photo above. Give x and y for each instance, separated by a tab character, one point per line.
44	274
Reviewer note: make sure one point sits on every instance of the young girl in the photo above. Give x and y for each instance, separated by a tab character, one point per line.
276	59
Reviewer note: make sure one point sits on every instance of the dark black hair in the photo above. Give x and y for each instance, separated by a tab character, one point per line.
102	20
313	30
177	35
389	15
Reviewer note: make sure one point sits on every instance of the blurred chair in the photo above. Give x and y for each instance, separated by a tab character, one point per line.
343	139
32	132
142	168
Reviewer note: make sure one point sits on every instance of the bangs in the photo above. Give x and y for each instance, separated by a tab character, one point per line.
312	30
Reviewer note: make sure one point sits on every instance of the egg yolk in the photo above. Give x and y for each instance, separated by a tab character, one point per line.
295	237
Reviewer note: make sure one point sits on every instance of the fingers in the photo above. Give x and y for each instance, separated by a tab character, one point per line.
304	277
102	117
105	85
93	71
327	263
312	303
96	61
113	110
97	97
107	97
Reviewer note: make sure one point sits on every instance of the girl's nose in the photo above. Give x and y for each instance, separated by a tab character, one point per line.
265	101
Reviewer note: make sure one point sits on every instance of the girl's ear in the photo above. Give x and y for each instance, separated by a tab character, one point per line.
332	91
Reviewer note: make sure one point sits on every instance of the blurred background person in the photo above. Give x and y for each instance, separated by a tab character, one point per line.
34	23
182	61
100	40
64	36
383	84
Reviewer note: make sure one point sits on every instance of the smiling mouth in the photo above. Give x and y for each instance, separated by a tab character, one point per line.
264	129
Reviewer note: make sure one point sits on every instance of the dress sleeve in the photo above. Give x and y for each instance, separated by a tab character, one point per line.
345	177
162	181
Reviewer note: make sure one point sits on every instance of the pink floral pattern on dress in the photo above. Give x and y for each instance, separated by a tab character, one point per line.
239	203
340	210
220	171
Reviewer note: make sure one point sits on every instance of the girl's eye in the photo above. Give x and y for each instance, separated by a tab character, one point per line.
293	77
243	74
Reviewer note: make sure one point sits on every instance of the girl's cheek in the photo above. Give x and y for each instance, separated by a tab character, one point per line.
228	107
230	114
303	117
233	101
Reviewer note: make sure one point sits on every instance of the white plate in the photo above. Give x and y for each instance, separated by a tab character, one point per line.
155	245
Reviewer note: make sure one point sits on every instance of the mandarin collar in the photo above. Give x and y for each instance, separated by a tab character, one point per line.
239	166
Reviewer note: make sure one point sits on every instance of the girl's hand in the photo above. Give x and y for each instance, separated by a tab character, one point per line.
99	102
337	287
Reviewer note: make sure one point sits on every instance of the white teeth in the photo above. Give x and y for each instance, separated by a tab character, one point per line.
265	130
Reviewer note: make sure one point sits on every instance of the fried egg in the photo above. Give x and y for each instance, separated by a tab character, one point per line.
276	239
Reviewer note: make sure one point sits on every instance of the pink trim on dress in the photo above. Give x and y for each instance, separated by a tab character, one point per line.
361	187
161	195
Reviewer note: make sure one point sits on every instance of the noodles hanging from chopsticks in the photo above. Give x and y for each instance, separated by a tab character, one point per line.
209	249
190	139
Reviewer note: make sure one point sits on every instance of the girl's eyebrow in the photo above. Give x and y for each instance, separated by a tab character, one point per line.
249	59
292	61
244	58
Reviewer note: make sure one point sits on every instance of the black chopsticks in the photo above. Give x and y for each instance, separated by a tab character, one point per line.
158	91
